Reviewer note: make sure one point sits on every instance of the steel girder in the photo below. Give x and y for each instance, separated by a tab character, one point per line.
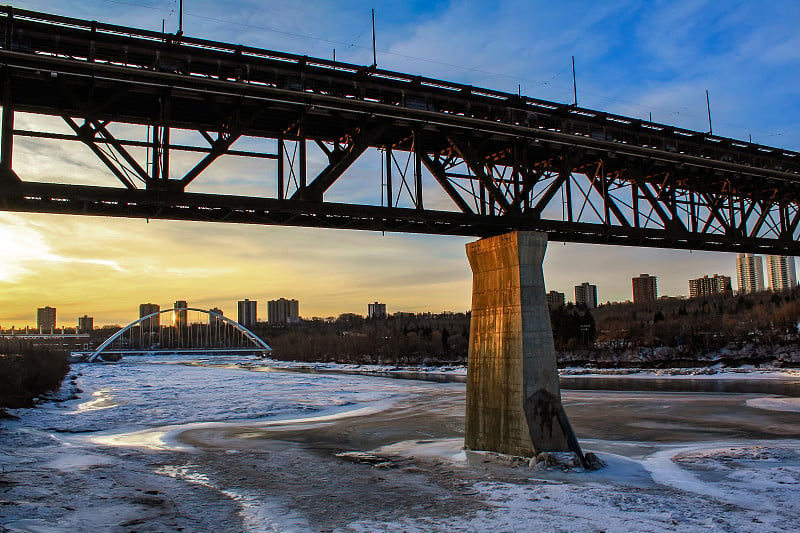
487	161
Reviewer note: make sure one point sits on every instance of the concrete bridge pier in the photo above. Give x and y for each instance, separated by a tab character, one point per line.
513	396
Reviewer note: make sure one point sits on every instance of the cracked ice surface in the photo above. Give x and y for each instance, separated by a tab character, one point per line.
228	444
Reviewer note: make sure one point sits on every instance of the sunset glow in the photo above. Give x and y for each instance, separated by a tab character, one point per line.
106	267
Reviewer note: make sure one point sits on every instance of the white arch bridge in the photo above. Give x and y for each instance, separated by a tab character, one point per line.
146	335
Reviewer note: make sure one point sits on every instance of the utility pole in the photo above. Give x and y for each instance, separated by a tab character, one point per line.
374	56
574	85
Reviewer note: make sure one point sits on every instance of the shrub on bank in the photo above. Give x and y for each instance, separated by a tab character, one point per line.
26	373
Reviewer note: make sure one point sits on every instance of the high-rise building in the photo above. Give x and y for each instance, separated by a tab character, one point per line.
85	324
180	318
215	317
376	310
248	313
556	299
645	288
152	323
46	319
750	273
781	272
283	311
706	286
586	294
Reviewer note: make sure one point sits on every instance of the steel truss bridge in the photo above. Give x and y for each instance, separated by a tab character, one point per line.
455	159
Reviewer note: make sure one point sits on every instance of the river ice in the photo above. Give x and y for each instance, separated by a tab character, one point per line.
230	444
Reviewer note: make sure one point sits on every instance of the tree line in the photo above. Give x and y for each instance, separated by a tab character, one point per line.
27	372
693	327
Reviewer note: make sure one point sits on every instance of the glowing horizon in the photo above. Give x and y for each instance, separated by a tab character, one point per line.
631	59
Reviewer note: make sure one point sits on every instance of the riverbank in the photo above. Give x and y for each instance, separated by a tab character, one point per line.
746	355
229	446
27	373
457	373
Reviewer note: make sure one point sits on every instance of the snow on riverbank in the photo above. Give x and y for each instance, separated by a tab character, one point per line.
741	486
162	444
716	371
712	372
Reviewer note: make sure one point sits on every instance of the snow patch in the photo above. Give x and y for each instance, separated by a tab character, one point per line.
450	450
259	513
103	399
775	404
76	460
751	476
167	437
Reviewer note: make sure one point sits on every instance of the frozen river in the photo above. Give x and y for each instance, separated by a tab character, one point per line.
232	444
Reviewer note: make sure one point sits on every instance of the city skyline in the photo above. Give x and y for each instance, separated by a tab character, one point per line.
102	266
582	292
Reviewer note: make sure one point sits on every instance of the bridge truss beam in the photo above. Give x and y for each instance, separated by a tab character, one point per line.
455	159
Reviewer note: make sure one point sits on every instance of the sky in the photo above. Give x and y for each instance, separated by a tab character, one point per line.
632	58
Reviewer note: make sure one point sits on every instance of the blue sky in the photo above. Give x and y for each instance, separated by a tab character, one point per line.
632	58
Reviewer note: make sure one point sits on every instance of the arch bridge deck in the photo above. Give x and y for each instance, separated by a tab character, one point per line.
147	335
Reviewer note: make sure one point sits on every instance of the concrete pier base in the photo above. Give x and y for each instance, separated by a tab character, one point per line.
513	396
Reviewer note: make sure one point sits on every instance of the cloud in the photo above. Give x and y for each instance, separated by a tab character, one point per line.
27	250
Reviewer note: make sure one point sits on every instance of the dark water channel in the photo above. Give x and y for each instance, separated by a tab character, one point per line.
633	414
739	384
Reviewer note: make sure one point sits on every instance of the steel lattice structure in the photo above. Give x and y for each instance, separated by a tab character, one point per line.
456	159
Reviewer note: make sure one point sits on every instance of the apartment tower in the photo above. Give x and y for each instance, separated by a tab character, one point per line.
645	288
586	294
749	273
781	273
